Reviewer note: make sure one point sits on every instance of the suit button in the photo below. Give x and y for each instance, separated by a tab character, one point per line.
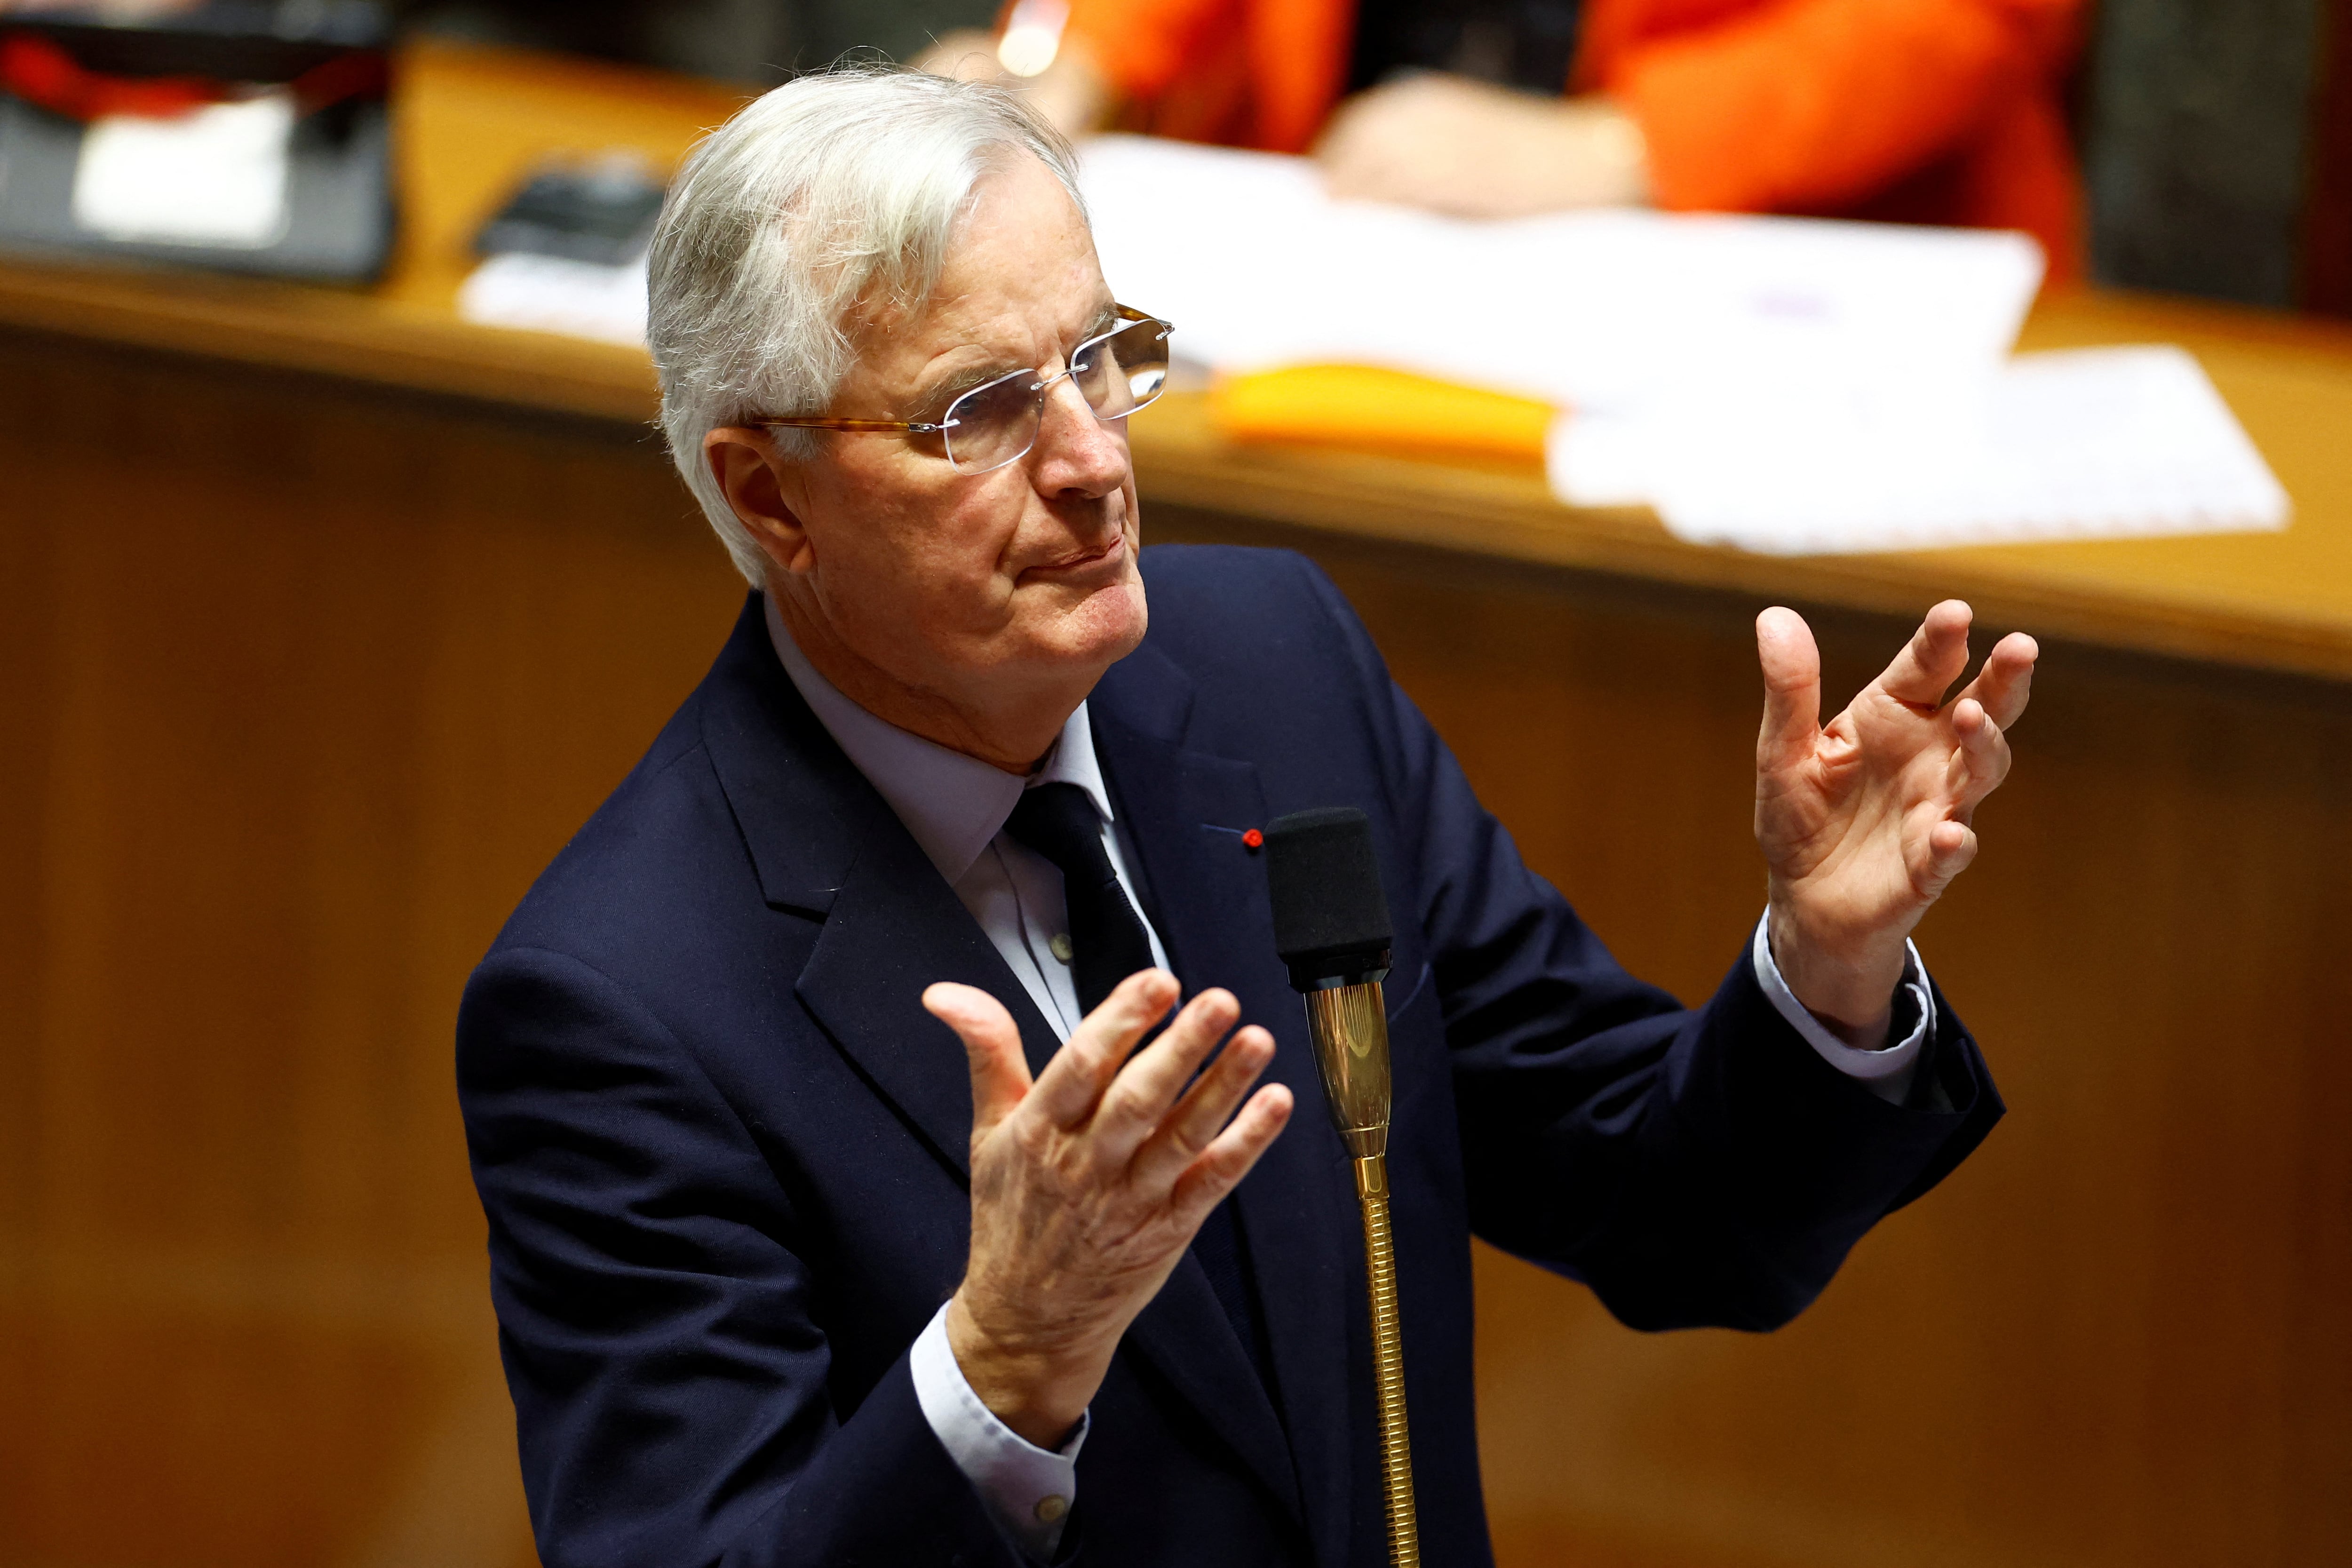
1050	1508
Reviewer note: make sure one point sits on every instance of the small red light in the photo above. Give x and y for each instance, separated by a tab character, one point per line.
1252	838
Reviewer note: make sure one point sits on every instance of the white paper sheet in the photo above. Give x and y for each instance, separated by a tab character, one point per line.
1779	384
1606	309
550	294
214	176
2092	443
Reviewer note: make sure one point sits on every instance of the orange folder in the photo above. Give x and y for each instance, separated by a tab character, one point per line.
1380	410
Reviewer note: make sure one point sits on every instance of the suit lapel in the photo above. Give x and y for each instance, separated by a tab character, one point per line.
827	844
895	928
1186	811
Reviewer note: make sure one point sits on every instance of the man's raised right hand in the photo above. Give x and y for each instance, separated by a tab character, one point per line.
1089	1182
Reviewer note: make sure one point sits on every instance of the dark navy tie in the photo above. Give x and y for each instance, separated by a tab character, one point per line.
1108	942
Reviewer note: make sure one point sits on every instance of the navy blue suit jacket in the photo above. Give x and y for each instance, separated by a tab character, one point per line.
723	1149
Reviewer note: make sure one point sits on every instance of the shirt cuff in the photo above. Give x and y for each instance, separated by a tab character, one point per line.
1887	1072
1030	1489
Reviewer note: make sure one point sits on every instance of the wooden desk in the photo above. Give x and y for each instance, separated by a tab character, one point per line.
326	617
477	119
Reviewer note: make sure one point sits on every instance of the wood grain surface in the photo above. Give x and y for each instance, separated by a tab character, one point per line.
473	121
303	687
2281	601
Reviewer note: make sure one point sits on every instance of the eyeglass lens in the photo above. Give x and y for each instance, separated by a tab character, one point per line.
1117	374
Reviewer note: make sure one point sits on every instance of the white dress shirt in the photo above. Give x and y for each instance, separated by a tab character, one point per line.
955	806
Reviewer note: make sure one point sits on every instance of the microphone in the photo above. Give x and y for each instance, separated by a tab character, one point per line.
1331	928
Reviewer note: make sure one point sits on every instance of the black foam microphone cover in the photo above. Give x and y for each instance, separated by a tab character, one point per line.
1330	918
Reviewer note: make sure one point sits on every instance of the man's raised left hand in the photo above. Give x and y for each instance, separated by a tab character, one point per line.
1866	820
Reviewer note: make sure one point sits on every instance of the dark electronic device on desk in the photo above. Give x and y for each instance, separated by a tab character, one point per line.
601	212
239	135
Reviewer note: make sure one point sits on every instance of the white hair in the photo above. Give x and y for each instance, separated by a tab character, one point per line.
837	192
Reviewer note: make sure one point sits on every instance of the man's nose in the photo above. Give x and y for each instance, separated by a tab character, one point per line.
1077	453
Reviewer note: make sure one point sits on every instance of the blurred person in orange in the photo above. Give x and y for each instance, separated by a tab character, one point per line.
1944	111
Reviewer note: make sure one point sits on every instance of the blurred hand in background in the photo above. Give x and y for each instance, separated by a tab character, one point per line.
1934	111
1072	91
1454	145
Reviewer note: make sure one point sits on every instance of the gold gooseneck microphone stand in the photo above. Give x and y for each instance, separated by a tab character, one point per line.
1332	928
1352	1048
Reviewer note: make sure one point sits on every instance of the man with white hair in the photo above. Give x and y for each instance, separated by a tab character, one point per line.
784	1276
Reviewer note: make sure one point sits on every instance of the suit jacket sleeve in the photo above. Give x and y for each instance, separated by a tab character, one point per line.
1817	104
671	1384
1694	1167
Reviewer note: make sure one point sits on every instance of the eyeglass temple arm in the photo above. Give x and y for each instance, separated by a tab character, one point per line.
916	426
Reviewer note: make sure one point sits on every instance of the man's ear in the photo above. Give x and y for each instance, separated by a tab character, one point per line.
765	490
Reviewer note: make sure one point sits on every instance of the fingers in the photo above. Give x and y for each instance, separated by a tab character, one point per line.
1193	1125
1221	1166
1980	762
1933	658
1138	1102
1381	145
2006	681
1976	769
1792	690
1950	846
1341	151
1074	1082
999	1073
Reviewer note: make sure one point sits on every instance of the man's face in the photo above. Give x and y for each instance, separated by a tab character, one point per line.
1020	577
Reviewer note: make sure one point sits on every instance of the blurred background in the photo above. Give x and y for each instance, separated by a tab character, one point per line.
759	43
2215	139
341	576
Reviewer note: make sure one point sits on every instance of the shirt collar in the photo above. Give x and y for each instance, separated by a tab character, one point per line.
953	805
